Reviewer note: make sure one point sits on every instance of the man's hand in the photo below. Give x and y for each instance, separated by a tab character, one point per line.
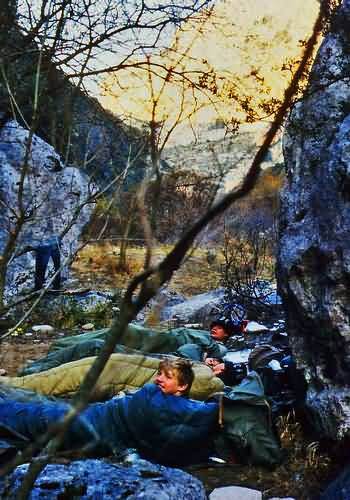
211	362
219	368
216	365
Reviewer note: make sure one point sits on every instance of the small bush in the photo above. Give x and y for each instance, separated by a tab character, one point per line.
72	315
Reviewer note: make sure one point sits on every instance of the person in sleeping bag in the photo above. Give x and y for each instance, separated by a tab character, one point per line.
159	421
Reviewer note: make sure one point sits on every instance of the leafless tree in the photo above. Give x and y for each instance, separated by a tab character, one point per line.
248	268
162	94
52	43
85	38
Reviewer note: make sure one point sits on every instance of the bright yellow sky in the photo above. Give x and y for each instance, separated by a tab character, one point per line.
259	34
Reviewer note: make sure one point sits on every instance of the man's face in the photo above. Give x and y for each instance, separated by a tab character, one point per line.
218	332
168	383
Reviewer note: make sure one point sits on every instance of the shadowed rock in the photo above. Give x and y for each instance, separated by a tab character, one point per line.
92	479
314	249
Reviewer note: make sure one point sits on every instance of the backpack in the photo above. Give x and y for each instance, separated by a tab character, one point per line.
285	388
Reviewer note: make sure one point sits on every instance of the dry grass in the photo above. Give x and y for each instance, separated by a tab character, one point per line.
302	475
97	267
306	467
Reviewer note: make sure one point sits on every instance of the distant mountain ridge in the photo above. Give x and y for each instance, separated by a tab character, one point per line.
214	150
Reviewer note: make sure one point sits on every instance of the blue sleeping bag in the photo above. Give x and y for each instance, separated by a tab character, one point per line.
164	428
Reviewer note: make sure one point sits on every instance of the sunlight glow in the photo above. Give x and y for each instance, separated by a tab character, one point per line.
247	48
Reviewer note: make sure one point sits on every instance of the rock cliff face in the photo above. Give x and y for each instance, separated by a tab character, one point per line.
314	250
76	125
213	150
52	192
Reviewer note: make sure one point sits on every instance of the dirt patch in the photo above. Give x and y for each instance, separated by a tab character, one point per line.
19	349
14	356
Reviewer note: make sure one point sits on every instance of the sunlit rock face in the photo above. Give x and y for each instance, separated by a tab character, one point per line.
314	250
52	195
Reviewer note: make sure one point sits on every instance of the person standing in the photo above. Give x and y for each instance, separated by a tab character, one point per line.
45	250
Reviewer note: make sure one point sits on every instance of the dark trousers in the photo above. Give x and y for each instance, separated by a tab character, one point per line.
43	254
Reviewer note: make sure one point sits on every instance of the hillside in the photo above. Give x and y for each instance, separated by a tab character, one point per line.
66	117
216	153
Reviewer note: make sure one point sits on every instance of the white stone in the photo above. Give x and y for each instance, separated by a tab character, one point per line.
254	327
235	493
88	326
238	356
217	460
43	329
275	365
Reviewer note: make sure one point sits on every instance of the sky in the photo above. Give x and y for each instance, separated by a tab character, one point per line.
240	37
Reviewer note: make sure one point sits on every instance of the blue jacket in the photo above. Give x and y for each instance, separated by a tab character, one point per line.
168	429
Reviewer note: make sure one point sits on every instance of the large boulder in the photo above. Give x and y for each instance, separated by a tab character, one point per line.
314	245
92	479
52	193
201	308
158	307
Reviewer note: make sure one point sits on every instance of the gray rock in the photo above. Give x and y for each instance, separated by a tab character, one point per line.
94	479
88	300
164	300
52	191
329	411
88	326
314	246
43	329
97	140
254	327
84	304
200	308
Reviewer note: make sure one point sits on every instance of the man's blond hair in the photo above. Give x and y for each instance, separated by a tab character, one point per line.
182	368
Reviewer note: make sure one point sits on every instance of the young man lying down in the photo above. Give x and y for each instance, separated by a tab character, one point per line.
158	420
